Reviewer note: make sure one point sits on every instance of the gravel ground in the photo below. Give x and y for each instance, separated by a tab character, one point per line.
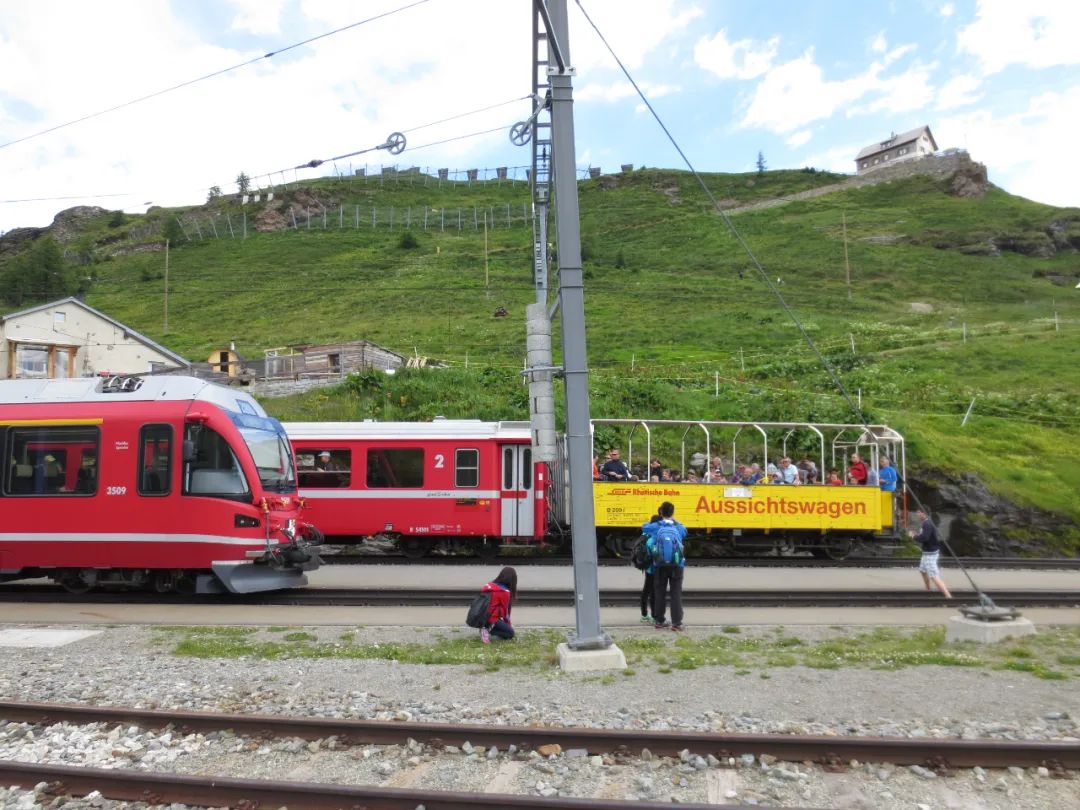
121	666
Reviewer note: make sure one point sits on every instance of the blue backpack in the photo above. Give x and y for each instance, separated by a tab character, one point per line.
667	545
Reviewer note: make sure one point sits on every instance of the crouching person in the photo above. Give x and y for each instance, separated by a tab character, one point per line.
503	591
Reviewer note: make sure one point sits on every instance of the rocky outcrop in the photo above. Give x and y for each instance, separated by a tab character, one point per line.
978	523
70	223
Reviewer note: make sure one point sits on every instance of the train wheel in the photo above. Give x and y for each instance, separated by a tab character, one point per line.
72	582
834	550
164	581
487	548
413	547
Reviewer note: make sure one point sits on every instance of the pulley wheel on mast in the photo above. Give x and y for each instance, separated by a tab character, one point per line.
521	133
395	143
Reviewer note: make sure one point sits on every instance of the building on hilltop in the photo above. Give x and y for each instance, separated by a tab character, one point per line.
68	338
910	145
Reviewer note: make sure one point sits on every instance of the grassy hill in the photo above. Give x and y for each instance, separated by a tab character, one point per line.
950	299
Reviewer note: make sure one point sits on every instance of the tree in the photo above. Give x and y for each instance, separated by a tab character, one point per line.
243	182
761	162
173	232
215	192
38	274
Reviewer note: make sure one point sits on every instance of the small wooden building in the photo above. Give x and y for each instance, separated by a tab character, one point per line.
330	359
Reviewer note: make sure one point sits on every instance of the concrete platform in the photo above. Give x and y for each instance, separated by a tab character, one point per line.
731	579
961	628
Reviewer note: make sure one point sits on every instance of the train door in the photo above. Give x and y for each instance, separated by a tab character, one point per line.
516	494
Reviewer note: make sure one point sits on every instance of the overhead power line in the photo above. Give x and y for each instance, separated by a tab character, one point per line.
216	73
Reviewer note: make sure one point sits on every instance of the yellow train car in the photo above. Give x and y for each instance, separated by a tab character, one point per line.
823	519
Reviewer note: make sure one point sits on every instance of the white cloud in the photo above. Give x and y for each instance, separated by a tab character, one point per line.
1035	33
879	44
799	138
947	10
1014	146
619	90
258	16
745	59
796	93
631	35
959	91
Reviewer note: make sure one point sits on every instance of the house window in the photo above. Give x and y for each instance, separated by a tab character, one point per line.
334	360
865	164
59	317
467	468
43	362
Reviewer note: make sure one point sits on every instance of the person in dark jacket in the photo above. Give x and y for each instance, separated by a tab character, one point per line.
503	590
667	574
931	550
648	590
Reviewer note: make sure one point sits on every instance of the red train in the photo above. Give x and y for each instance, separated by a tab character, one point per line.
454	483
163	482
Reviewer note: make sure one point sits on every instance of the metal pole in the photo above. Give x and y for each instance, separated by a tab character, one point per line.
166	329
588	633
968	414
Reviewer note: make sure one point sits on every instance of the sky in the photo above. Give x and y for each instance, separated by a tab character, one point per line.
804	84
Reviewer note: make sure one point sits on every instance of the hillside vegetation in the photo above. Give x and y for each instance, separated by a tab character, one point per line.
950	299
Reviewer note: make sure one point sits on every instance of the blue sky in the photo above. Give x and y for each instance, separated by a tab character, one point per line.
807	84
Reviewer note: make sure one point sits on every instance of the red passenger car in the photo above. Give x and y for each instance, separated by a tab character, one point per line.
452	483
166	482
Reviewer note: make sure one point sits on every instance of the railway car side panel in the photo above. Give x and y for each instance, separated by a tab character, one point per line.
765	508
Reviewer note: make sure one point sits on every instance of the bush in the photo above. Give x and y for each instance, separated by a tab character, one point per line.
408	241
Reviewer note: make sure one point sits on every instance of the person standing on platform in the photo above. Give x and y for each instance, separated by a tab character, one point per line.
669	561
930	542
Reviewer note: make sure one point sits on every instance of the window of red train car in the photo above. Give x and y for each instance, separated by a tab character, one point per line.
38	459
395	467
467	468
325	467
155	460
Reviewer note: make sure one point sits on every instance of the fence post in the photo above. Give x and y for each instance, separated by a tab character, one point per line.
308	212
245	224
966	415
850	335
341	216
965	331
292	213
442	219
1057	325
213	226
324	218
742	360
717	375
198	230
357	227
229	220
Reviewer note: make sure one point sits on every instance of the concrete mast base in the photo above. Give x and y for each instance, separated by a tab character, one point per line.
590	660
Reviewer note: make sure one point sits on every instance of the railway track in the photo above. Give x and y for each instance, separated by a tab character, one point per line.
1010	563
538	597
623	745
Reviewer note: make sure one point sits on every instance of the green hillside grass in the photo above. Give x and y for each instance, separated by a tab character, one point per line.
674	306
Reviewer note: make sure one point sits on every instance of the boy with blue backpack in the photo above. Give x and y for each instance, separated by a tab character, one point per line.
665	545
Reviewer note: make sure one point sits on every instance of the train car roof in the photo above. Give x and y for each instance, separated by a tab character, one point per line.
163	388
437	429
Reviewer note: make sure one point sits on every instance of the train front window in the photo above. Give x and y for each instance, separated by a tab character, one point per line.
273	458
211	467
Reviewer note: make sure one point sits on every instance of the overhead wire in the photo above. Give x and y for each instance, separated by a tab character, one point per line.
985	600
212	75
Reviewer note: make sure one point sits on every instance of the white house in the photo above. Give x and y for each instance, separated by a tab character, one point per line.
915	143
67	338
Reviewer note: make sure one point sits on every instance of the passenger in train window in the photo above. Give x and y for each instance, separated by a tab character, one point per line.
595	469
857	471
692	477
503	590
665	475
755	475
887	475
789	473
808	470
834	479
614	468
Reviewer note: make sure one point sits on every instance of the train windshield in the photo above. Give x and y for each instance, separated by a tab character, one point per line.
273	458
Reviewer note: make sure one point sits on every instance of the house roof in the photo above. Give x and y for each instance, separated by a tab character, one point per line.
127	330
896	140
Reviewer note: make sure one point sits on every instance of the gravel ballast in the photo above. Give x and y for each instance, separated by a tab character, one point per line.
131	666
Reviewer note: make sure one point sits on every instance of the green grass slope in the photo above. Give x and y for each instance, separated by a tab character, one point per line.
950	299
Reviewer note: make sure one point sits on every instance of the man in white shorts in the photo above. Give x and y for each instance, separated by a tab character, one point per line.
931	551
